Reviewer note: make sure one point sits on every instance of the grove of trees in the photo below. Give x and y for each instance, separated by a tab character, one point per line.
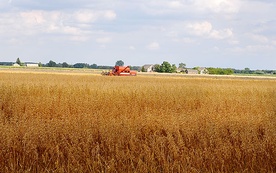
52	63
220	71
165	67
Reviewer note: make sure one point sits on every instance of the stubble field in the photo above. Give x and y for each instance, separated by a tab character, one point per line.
89	123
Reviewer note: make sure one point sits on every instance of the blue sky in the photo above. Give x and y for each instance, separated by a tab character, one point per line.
213	33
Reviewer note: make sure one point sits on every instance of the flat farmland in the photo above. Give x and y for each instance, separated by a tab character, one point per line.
68	122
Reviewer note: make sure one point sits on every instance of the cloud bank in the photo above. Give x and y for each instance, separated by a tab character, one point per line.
227	33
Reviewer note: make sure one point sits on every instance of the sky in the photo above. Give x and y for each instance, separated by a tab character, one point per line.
207	33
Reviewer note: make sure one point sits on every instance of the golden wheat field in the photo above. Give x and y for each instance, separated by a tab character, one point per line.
89	123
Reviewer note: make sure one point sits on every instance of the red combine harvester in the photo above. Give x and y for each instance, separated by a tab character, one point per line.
120	71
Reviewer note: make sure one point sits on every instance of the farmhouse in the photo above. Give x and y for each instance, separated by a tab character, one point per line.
148	68
203	70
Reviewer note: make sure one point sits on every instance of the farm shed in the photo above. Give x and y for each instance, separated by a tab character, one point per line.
31	64
191	71
16	65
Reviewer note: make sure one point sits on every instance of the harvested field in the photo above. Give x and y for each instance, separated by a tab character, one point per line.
89	123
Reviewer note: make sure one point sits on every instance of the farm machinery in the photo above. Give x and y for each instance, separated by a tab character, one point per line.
120	71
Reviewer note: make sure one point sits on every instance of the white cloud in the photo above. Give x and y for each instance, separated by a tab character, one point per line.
103	40
85	16
258	38
258	48
185	40
73	26
70	30
205	29
221	34
33	17
195	7
131	48
161	7
216	48
110	15
234	41
200	28
175	4
153	46
219	6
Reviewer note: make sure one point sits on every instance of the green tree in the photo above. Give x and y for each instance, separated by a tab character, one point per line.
246	70
174	68
156	68
166	67
137	68
65	65
228	71
51	64
119	63
81	65
182	65
94	66
18	62
40	64
143	69
220	71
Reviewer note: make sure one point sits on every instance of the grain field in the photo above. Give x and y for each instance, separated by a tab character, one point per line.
89	123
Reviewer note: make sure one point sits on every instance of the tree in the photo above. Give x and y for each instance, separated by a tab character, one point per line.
246	70
143	69
94	66
59	65
51	64
18	62
174	68
40	64
166	67
64	65
156	67
137	68
220	71
81	65
119	63
182	65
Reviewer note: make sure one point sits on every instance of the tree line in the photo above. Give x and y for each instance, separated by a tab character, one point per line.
86	65
164	67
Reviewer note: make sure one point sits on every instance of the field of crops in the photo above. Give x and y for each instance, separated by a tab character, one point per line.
90	123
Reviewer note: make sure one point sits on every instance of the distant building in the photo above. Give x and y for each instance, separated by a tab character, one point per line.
200	70
148	67
191	71
16	65
31	64
203	70
181	70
